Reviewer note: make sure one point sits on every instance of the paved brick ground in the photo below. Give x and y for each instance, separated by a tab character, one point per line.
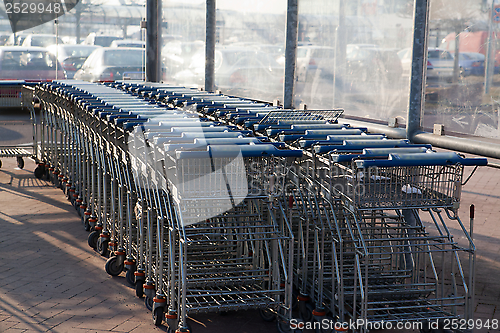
483	190
51	281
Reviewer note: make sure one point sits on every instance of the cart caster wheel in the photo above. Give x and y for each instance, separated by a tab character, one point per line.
129	276
112	267
267	315
295	303
284	327
149	303
86	224
39	172
76	205
319	329
305	311
139	289
428	328
102	247
158	316
92	239
20	162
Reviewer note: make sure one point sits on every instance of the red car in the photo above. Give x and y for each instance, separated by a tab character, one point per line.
29	63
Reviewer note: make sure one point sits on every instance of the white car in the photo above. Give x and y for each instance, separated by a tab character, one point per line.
127	43
439	63
42	40
71	56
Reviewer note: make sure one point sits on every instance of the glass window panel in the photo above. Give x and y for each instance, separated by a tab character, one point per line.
250	48
460	94
183	50
355	55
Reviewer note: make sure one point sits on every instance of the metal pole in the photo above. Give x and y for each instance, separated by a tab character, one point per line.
418	67
56	22
490	53
78	15
456	67
472	259
152	44
339	72
466	145
292	27
159	40
210	45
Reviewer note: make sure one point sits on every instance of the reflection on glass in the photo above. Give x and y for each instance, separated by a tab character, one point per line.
354	55
32	64
249	57
462	93
94	23
348	56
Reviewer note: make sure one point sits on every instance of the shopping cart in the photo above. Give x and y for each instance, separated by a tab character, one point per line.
358	272
17	95
232	243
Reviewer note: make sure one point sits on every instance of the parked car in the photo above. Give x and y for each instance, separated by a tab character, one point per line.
312	57
42	40
3	39
471	41
242	71
471	63
16	39
109	63
101	40
71	56
177	55
28	63
367	62
127	43
440	63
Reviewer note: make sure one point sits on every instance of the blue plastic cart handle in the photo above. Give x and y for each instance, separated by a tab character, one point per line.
229	141
250	119
339	139
385	152
299	129
423	159
106	114
207	129
317	134
211	135
187	122
359	145
189	137
232	151
376	153
347	131
131	124
198	144
148	113
112	117
262	127
12	82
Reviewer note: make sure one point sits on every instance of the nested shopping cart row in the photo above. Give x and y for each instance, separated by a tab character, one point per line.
186	206
212	203
361	246
362	200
